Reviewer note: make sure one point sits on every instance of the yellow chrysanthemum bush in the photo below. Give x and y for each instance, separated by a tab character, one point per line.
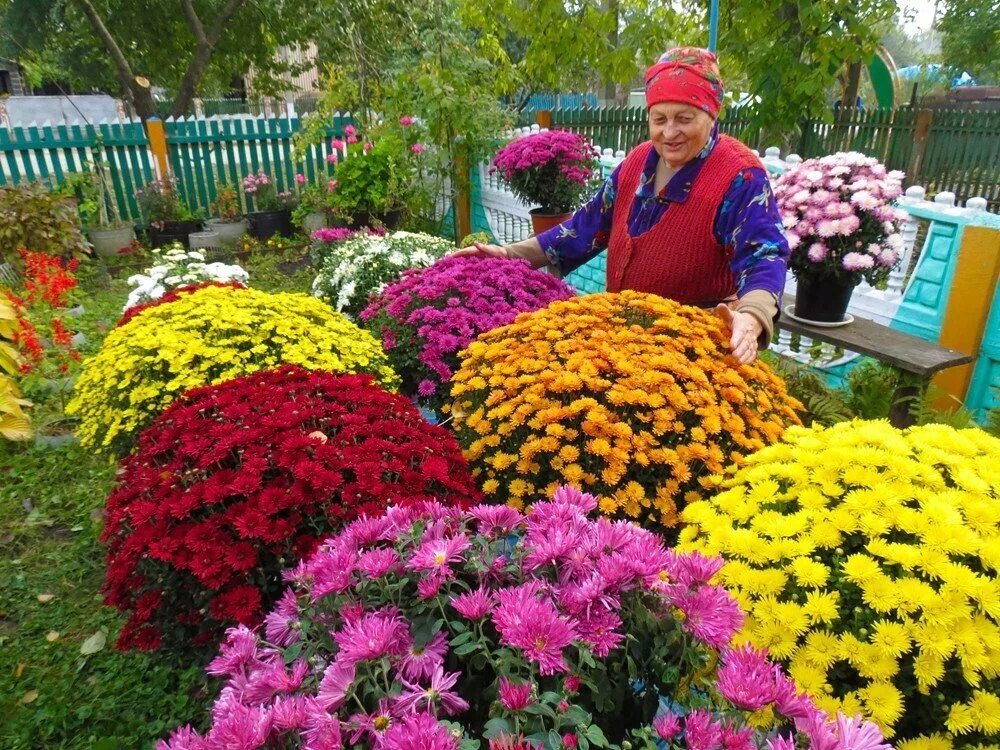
629	396
209	336
867	560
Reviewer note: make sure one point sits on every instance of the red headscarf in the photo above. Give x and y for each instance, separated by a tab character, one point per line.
689	75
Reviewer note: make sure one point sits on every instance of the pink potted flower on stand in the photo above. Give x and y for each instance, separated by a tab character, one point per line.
842	228
551	169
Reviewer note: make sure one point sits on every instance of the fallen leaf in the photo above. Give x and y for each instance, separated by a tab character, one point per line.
52	635
46	598
19	669
30	697
94	644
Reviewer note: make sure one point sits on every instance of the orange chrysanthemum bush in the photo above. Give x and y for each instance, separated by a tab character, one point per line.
629	396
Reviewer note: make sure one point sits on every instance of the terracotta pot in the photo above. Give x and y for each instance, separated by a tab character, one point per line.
541	222
824	300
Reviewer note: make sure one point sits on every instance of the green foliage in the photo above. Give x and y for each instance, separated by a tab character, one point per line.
372	182
482	237
58	42
34	218
970	37
790	53
278	265
51	694
823	405
556	46
869	389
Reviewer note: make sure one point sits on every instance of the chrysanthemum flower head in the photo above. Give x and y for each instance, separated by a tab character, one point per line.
630	397
866	557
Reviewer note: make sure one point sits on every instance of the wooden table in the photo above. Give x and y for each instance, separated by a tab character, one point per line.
918	359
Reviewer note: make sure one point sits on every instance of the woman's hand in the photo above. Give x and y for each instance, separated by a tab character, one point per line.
745	330
482	250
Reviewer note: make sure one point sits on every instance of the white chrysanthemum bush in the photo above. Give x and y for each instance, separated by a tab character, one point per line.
867	561
175	266
363	264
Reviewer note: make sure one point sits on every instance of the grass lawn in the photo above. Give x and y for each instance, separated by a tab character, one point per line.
52	693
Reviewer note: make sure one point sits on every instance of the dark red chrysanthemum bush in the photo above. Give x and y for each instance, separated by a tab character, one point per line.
235	482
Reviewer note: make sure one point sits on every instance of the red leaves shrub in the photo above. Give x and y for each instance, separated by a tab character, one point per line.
235	482
171	296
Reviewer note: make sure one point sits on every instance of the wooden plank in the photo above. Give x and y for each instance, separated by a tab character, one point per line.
908	353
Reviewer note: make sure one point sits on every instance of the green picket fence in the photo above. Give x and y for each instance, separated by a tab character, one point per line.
200	153
49	153
225	150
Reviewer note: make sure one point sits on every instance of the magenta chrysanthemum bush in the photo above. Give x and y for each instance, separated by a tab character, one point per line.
552	169
431	314
433	628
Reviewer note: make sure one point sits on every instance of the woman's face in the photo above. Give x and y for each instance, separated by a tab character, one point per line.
678	131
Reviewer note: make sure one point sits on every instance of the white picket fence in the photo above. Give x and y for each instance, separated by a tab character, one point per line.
510	222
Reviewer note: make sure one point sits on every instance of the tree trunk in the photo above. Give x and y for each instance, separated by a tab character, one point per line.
190	82
849	100
204	48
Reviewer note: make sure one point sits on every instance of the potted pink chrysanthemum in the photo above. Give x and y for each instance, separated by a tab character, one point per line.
551	169
842	228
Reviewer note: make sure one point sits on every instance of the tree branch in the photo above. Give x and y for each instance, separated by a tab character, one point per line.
193	22
125	73
204	48
140	96
223	18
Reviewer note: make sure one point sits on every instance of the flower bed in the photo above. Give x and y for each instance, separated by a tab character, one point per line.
867	559
209	336
630	396
236	481
427	317
364	264
430	629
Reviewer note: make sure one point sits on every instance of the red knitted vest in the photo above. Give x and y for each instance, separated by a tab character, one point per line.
678	257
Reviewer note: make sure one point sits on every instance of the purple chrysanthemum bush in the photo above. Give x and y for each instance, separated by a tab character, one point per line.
433	628
431	314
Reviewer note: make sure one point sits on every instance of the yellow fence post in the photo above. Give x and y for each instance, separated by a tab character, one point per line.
972	290
158	144
543	118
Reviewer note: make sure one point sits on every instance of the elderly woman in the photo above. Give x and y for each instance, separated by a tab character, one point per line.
689	214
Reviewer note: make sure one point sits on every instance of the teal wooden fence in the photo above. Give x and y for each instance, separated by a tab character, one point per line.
200	152
49	153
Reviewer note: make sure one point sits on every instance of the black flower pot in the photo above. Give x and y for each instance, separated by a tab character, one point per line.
164	232
266	224
824	300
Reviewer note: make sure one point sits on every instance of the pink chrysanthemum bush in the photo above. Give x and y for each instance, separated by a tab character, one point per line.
431	314
434	628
